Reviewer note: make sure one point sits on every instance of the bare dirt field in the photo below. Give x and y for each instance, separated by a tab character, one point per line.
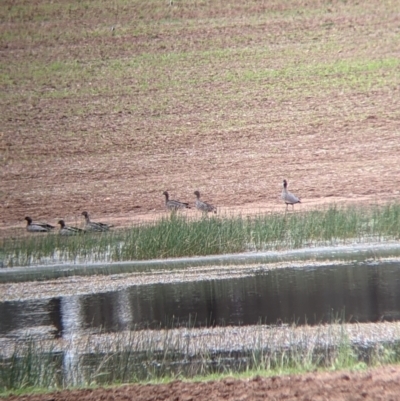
375	384
227	98
104	105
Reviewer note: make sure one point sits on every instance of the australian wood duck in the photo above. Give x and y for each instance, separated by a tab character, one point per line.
174	204
68	230
92	226
204	206
288	197
37	227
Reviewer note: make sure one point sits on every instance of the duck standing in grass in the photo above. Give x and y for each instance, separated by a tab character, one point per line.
68	230
204	206
174	205
288	197
92	226
37	227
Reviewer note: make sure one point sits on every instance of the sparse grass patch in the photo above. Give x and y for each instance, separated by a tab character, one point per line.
141	356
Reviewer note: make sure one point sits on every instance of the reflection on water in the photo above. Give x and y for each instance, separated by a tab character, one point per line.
364	293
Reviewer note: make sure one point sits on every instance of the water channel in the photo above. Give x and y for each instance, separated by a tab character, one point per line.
356	292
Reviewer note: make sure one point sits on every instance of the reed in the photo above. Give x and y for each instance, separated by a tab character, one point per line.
135	357
179	236
33	365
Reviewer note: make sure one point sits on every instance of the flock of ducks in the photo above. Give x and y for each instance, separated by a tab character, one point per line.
286	196
170	204
200	205
37	227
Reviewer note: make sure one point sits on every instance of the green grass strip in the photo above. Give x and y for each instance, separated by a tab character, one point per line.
179	236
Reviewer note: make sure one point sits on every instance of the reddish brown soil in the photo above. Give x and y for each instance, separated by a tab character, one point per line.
114	151
377	384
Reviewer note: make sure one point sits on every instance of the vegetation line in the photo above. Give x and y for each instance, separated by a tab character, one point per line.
178	236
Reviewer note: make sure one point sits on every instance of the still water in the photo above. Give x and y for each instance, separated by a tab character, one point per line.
357	293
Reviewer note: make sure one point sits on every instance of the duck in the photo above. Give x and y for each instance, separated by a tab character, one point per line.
288	197
174	204
92	226
204	206
37	227
68	230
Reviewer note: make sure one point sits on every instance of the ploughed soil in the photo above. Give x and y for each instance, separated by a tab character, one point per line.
375	384
104	107
185	96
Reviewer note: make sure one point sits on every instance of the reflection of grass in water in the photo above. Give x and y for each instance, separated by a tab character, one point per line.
179	236
139	356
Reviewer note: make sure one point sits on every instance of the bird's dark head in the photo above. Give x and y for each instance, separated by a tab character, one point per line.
61	223
284	183
28	219
197	193
85	214
165	193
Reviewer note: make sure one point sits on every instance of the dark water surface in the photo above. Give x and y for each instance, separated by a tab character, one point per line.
358	293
